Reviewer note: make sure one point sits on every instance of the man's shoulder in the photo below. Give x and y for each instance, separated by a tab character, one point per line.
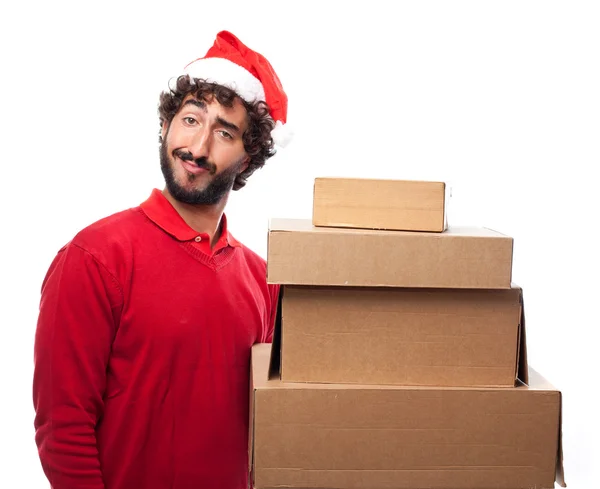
111	240
114	228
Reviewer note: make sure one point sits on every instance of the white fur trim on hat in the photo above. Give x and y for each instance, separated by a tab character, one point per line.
282	134
230	75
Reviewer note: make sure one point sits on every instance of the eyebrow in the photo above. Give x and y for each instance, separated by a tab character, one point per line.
227	124
201	105
197	103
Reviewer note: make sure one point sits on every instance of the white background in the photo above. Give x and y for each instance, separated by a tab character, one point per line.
499	99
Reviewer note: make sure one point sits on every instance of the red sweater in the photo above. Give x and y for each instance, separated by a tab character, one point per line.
142	355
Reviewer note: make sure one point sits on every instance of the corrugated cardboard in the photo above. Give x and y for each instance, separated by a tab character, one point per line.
364	437
471	257
404	205
382	335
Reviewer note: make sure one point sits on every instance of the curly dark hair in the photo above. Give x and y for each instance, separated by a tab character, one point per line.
257	139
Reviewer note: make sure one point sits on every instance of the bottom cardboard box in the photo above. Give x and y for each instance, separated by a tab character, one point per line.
307	435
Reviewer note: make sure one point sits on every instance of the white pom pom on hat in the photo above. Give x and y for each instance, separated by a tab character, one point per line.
230	63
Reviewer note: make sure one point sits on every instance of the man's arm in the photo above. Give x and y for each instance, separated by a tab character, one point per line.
79	312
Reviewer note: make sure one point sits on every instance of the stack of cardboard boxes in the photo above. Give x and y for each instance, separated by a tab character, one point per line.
399	354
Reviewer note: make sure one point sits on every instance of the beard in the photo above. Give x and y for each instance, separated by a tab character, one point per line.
220	185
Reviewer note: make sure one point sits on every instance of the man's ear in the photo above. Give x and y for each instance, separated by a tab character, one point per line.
245	164
164	130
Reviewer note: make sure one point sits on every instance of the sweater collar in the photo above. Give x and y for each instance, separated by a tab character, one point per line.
160	211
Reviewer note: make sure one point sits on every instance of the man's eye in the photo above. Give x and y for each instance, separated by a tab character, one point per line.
226	135
189	120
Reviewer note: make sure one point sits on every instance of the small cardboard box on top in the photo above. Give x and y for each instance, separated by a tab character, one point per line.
402	336
299	253
305	435
403	205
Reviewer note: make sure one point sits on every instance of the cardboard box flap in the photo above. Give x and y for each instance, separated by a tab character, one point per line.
560	469
251	428
447	197
537	381
522	364
260	362
274	370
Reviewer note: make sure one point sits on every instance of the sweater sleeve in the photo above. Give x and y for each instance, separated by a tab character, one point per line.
79	312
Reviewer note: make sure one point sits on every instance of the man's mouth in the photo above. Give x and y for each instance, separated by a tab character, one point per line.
194	166
191	167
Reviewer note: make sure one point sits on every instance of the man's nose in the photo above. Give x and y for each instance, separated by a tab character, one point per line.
200	144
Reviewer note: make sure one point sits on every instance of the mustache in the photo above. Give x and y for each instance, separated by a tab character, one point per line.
200	162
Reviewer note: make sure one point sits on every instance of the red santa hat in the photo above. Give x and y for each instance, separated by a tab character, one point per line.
230	63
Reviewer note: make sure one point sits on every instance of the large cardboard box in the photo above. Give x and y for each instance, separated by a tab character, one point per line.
382	335
364	437
404	205
470	257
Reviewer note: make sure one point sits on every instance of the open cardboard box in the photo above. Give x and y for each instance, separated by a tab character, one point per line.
402	336
306	435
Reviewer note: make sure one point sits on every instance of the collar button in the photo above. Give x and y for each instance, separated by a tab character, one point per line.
197	239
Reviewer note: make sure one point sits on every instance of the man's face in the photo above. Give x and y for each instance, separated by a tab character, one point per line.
202	150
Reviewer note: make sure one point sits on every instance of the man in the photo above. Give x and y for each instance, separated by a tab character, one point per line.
147	317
